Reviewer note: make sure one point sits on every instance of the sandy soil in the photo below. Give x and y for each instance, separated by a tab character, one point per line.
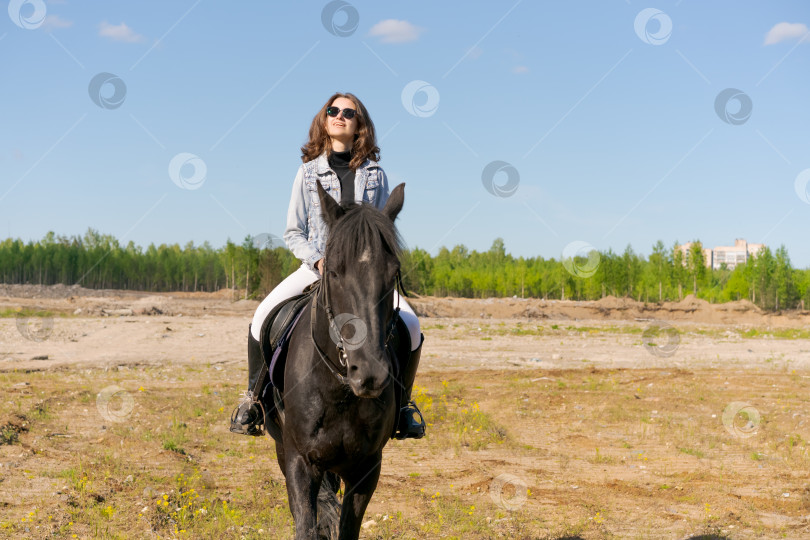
115	328
606	419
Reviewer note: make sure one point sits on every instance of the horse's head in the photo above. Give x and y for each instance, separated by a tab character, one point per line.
361	266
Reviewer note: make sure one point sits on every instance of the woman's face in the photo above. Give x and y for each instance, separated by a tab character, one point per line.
339	127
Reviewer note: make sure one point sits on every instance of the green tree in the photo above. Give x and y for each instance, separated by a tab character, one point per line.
696	265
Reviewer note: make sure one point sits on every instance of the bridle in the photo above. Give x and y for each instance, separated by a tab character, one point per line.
322	297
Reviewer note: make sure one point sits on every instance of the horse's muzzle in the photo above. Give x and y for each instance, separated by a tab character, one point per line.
369	380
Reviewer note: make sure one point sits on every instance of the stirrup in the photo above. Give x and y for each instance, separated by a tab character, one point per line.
410	423
239	416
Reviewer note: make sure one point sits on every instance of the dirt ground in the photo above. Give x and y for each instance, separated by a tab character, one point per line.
547	419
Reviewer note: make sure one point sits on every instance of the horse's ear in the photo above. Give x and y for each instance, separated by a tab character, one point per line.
330	209
394	203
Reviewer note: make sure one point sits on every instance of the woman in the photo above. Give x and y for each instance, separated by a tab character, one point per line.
342	155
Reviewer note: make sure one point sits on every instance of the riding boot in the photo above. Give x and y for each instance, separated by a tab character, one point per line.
248	417
410	424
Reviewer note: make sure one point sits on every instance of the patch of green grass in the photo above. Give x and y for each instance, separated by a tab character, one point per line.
27	312
77	478
41	411
517	330
600	384
777	333
171	444
791	333
539	331
8	435
106	512
446	512
793	439
175	437
692	452
600	458
586	329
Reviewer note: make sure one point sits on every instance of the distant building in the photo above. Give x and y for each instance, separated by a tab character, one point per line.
739	253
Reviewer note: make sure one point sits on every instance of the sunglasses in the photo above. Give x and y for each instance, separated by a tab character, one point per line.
348	113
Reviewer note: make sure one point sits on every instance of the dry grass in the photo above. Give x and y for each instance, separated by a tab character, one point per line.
510	454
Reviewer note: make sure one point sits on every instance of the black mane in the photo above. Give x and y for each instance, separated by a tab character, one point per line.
362	228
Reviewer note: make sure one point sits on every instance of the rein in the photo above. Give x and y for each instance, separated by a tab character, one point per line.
341	348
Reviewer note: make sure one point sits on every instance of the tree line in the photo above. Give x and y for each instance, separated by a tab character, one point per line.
99	261
768	280
255	266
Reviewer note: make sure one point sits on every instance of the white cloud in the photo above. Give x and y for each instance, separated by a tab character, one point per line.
784	31
121	32
520	69
55	21
394	31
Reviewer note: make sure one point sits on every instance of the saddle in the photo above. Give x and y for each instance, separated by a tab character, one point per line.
277	329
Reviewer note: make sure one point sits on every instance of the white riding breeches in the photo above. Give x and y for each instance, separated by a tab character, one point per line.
296	282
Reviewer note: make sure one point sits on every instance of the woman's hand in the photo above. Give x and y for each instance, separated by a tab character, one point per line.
319	266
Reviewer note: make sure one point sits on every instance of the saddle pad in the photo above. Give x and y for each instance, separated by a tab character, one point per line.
280	317
280	355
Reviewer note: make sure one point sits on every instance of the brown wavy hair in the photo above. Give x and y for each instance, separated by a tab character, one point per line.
365	138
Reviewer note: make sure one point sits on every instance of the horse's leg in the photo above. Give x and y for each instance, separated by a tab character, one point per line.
360	486
303	484
332	482
280	457
329	506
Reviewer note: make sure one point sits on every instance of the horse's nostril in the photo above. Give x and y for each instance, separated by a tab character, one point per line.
353	368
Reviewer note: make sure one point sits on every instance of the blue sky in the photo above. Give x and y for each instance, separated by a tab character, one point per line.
603	112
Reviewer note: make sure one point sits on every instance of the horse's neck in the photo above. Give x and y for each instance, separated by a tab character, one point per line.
319	334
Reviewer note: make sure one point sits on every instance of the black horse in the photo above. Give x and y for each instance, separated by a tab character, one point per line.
339	404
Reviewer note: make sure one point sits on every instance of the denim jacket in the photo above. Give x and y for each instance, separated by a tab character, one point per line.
306	231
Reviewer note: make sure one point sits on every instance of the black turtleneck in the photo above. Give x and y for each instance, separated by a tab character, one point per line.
339	161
